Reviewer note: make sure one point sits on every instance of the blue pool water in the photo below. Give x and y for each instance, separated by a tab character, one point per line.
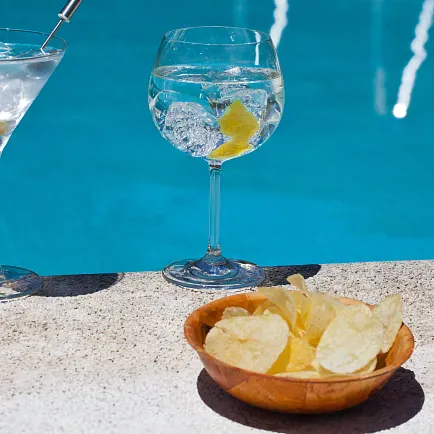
88	185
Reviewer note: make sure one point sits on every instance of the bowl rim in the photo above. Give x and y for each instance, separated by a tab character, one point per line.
335	379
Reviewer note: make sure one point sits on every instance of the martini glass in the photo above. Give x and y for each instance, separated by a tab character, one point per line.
24	70
216	93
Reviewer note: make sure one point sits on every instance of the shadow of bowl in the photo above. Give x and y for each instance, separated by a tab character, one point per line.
399	401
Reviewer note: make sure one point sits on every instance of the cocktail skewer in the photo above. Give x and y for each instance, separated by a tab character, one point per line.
65	16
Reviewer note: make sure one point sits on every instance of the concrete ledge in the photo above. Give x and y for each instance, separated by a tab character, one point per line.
106	354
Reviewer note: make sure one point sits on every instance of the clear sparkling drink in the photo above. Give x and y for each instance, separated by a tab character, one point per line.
20	82
202	110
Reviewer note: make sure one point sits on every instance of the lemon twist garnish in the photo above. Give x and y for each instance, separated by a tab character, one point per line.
239	124
3	127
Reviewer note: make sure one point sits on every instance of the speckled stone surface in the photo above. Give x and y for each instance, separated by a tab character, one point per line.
106	354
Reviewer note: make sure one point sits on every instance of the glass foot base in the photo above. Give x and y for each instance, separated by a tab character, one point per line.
228	275
18	282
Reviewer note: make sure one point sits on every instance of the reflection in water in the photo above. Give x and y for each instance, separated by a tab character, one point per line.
377	54
380	91
258	39
417	46
280	20
240	7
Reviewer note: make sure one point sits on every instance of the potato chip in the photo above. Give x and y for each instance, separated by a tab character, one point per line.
299	331
283	300
266	305
273	310
300	300
355	310
302	304
297	356
348	344
298	281
248	342
282	361
389	311
368	368
320	314
303	334
268	308
301	355
231	312
315	365
300	374
305	312
336	303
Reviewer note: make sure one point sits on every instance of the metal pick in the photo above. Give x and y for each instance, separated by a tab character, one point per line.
65	16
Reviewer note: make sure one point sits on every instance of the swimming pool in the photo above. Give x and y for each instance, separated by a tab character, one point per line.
89	186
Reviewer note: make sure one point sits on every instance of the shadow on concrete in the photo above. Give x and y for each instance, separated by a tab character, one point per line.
399	401
277	275
77	284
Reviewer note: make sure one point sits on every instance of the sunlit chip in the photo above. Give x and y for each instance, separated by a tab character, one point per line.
231	312
389	311
315	365
249	342
266	305
298	281
305	313
353	311
368	368
348	344
301	355
306	335
301	304
299	331
338	306
283	300
267	308
300	301
282	361
297	356
300	374
319	314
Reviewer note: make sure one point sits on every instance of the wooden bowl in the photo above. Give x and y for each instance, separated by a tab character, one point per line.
290	395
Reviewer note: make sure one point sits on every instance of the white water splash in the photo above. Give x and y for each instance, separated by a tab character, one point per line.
280	20
419	55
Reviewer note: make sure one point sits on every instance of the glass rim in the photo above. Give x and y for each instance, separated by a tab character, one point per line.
266	37
39	56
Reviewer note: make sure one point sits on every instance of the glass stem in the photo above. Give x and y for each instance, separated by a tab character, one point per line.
213	255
